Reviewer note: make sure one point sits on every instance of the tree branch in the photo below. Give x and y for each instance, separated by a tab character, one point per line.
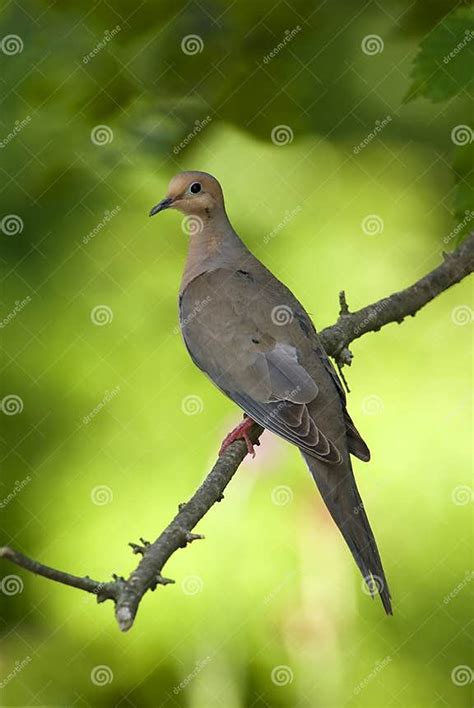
127	593
394	308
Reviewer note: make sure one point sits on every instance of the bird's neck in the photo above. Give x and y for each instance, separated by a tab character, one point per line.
212	244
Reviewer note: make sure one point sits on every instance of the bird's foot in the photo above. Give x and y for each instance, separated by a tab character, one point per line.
240	432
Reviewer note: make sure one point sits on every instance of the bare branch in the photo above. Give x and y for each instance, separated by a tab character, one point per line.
394	308
147	576
127	593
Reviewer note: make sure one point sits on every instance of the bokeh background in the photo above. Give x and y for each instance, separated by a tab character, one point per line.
341	134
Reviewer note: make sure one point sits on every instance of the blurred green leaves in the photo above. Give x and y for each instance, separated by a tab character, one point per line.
444	69
108	111
444	66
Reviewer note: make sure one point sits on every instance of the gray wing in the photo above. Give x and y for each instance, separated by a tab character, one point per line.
259	363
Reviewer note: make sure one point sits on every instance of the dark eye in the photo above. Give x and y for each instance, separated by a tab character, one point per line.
195	188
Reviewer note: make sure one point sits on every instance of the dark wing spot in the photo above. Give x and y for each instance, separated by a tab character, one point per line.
246	274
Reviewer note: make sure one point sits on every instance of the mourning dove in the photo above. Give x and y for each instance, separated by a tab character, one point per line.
255	341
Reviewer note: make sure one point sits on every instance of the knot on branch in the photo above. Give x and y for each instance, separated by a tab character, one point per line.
188	537
160	580
137	548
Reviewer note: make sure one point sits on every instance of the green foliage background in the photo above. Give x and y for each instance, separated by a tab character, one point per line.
276	586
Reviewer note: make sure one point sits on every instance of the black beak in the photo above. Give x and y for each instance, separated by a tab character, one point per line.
164	204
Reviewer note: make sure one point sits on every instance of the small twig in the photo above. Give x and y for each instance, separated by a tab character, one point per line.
394	308
343	306
104	591
127	593
147	575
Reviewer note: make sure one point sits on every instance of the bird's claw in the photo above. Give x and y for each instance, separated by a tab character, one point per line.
240	432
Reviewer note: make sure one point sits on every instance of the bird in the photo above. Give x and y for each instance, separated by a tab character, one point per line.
255	341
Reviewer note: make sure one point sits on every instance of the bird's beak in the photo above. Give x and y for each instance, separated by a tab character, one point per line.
164	204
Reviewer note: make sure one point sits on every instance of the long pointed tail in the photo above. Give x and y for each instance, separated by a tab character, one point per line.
341	496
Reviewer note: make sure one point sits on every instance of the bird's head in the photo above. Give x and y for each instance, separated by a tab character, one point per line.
192	193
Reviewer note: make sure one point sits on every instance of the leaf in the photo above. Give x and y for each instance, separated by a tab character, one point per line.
444	66
464	193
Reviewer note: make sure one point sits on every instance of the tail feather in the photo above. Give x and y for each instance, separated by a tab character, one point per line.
338	488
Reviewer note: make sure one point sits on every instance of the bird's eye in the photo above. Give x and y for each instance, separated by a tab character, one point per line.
195	188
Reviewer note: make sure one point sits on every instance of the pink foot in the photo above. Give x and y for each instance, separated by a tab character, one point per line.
238	433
